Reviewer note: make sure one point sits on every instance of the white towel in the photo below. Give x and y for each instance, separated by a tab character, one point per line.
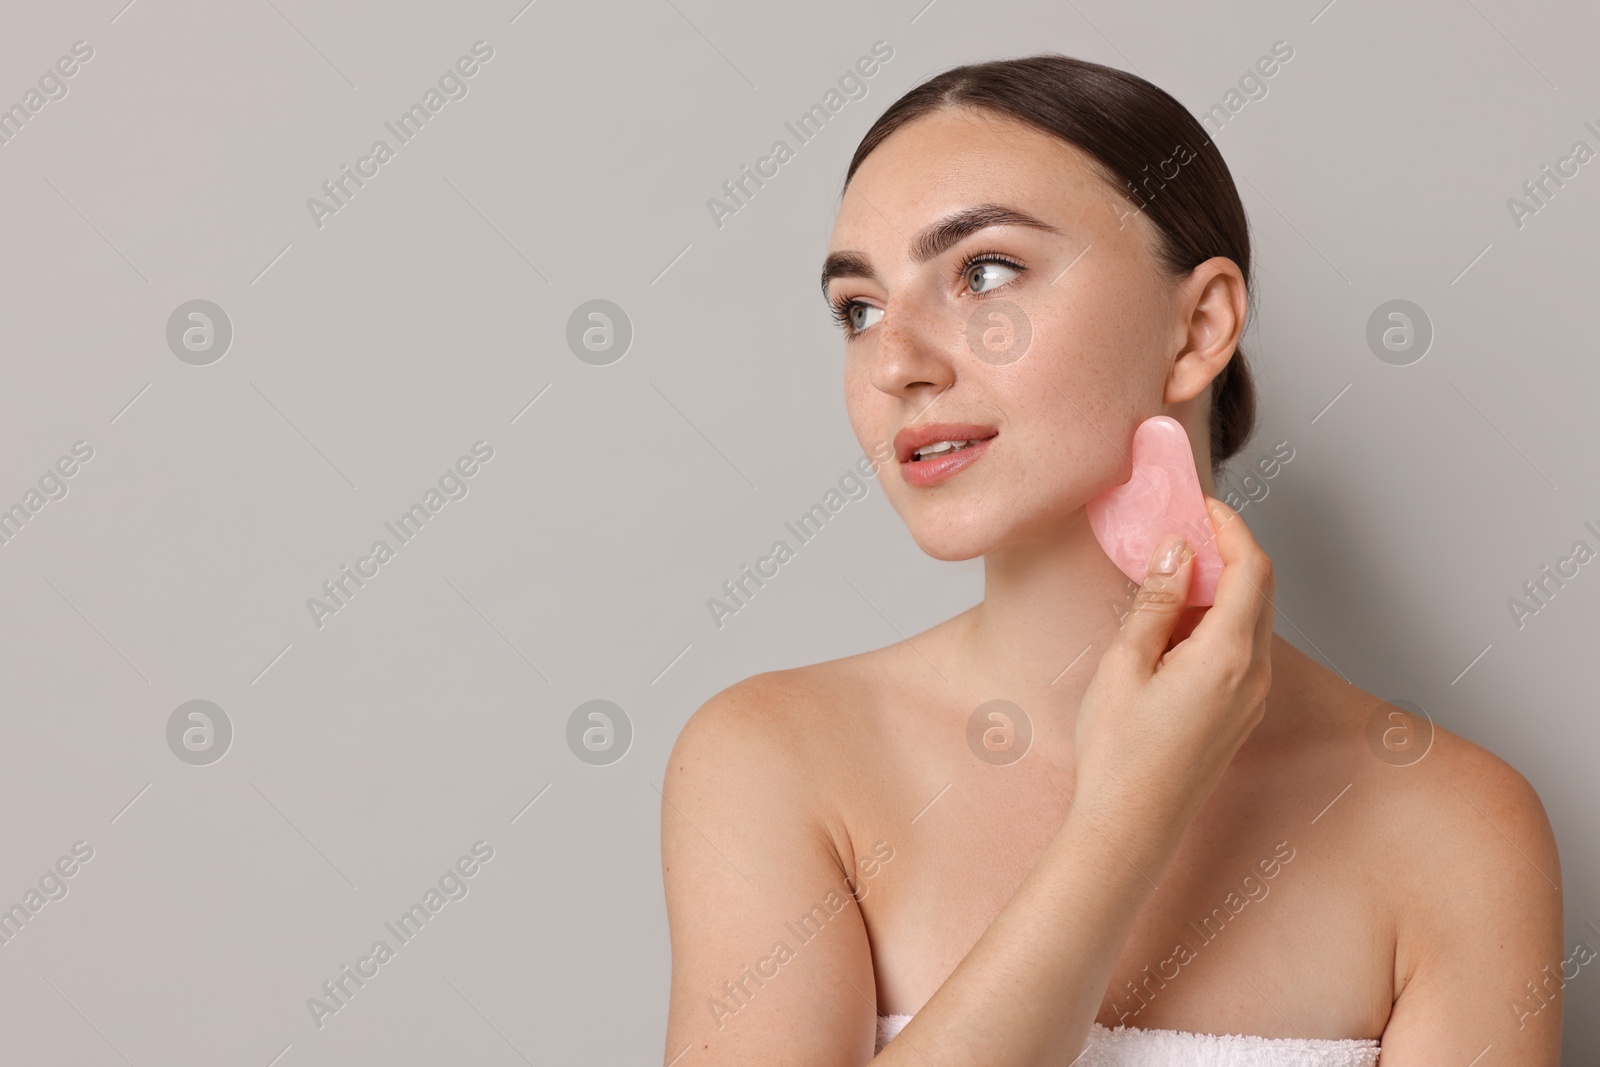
1129	1047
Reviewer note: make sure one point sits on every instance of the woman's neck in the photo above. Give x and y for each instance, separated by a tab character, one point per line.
1051	604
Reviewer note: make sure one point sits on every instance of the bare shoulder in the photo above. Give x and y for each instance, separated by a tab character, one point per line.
778	741
785	715
1435	804
1457	846
749	842
761	713
1415	771
1459	820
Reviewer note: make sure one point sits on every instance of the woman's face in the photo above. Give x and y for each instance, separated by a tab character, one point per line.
1049	341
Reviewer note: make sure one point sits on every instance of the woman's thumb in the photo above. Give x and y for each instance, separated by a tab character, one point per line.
1159	602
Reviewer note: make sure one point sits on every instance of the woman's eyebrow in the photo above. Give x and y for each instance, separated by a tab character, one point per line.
935	239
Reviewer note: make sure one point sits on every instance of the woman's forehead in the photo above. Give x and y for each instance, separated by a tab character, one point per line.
948	161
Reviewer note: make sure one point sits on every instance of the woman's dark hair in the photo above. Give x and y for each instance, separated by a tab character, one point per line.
1134	131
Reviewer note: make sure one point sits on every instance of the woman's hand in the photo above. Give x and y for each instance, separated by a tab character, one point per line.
1157	727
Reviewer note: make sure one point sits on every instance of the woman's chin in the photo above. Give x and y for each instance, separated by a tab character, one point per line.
973	533
953	545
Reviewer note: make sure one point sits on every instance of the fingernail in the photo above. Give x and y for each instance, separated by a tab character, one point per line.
1168	554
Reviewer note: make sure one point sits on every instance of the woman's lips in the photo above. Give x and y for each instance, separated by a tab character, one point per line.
936	469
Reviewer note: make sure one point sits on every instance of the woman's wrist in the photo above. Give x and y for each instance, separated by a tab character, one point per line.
1125	835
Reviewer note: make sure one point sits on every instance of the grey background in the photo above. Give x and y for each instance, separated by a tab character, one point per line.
370	353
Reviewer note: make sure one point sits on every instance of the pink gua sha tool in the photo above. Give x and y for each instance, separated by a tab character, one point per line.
1163	497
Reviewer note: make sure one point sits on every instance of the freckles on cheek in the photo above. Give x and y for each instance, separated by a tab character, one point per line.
1083	394
1084	435
865	409
1090	389
1099	368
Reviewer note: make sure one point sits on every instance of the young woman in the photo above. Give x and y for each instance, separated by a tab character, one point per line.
1177	827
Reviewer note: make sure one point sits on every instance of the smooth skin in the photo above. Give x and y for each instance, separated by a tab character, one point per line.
832	848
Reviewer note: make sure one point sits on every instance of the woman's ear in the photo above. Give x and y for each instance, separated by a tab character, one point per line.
1211	303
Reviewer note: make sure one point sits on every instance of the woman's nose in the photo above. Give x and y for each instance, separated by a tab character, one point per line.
912	353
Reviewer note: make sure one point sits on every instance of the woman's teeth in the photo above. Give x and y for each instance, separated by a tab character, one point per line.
939	448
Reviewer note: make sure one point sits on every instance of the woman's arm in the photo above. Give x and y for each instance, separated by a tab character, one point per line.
1479	959
770	958
745	856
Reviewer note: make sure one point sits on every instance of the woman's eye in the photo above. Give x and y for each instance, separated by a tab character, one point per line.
859	313
984	276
